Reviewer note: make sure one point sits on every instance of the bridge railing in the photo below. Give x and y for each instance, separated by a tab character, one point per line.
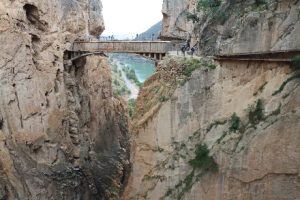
125	46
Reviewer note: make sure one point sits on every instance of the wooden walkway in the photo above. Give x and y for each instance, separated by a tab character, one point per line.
152	49
267	56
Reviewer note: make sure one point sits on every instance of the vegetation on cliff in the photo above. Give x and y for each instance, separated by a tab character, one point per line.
256	112
118	85
202	159
131	106
130	74
217	24
160	87
282	86
296	61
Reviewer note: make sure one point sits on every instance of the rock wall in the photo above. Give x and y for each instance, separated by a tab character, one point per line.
62	134
175	23
256	150
267	27
235	26
225	132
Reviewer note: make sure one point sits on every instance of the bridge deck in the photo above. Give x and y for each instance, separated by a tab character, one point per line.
124	46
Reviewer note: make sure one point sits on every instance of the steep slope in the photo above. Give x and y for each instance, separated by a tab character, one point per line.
247	114
152	32
175	23
225	132
234	26
62	134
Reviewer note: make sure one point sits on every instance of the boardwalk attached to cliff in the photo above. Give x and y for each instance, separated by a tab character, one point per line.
153	49
266	56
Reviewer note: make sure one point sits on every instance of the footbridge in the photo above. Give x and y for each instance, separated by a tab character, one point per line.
153	49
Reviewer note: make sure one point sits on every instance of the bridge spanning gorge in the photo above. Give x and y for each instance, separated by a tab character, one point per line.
158	49
153	49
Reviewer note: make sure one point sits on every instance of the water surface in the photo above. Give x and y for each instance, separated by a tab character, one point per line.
143	67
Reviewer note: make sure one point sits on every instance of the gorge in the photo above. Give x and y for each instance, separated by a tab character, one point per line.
203	128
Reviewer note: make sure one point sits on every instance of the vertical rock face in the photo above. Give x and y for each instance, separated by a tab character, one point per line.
175	23
62	134
234	26
256	150
230	132
269	26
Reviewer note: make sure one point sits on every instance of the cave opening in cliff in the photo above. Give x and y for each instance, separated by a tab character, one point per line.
32	13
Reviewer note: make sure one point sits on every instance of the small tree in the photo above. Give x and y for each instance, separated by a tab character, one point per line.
202	159
256	113
234	123
131	107
296	61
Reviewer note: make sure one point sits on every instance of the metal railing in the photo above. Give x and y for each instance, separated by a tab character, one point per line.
124	46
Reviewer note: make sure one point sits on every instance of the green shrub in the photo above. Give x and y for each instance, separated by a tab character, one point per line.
256	113
162	98
212	9
192	17
220	17
208	5
285	83
202	159
140	85
296	61
188	183
190	66
116	82
130	74
260	2
259	5
131	107
215	124
234	123
208	65
169	192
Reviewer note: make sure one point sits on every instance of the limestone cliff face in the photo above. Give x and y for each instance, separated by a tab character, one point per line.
247	114
175	23
235	26
256	150
62	134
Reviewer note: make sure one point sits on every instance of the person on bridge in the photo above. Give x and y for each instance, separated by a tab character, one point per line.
183	49
192	51
188	42
187	45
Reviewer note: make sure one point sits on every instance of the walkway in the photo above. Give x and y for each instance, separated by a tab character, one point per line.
153	49
265	56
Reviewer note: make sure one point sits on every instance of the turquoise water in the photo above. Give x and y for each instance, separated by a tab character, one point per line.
143	67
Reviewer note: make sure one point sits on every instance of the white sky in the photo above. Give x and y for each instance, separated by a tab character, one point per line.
130	17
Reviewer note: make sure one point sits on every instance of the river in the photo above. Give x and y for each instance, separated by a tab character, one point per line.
143	68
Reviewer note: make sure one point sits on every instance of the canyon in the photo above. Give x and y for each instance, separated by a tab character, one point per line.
202	128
